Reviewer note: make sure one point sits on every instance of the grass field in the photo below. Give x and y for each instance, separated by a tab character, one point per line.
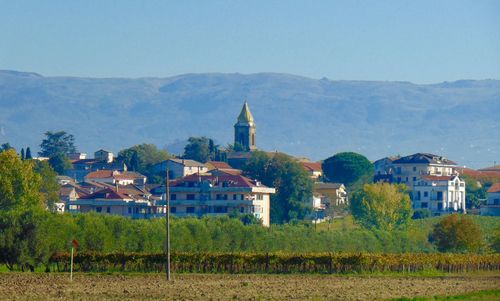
41	286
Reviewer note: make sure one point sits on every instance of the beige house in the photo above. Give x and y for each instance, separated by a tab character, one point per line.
116	177
314	169
179	168
335	193
492	206
210	194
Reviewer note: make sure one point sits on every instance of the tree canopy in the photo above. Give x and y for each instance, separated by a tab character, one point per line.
457	233
382	206
142	157
292	183
348	168
56	143
201	149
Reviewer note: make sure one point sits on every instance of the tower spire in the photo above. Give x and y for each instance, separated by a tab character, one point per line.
244	129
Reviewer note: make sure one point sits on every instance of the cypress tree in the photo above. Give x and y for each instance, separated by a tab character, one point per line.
22	154
28	154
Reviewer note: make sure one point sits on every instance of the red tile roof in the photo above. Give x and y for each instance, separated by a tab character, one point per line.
494	188
231	180
312	166
219	164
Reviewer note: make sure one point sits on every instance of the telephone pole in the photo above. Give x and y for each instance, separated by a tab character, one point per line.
167	198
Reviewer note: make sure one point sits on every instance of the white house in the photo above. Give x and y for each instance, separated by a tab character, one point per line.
409	169
492	206
439	194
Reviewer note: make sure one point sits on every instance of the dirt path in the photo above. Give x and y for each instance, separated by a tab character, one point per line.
19	286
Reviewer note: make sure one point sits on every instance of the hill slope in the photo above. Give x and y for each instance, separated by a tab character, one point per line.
298	115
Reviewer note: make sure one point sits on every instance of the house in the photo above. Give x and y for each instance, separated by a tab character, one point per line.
116	177
179	168
219	168
77	156
210	194
120	200
384	169
439	194
334	194
409	169
104	156
314	169
492	206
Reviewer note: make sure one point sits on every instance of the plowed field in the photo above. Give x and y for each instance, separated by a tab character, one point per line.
52	286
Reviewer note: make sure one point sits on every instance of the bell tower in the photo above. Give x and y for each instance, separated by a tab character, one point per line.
244	130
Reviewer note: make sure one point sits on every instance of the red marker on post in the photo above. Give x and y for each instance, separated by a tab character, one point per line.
75	245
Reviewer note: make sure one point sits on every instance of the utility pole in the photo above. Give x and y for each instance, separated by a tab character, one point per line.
167	197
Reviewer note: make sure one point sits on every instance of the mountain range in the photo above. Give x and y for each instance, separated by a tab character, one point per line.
305	117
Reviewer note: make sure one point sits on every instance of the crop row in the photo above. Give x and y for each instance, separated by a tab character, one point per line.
276	262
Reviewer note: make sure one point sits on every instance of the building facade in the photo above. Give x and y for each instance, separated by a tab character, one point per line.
492	206
209	194
439	194
179	168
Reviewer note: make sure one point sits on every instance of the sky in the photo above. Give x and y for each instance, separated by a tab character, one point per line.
417	41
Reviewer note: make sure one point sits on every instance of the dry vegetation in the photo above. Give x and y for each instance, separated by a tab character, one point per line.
52	286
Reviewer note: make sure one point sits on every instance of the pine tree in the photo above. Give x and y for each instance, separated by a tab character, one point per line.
22	154
28	154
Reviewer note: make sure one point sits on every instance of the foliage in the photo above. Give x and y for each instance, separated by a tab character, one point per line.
19	184
292	183
326	263
28	153
60	163
201	149
456	233
5	146
421	213
474	192
382	206
49	188
56	143
142	157
348	168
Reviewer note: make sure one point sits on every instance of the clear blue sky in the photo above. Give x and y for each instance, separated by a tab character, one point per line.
418	41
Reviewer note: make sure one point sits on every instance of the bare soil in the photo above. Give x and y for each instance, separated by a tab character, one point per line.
38	286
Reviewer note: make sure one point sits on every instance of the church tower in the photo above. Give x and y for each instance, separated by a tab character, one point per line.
244	130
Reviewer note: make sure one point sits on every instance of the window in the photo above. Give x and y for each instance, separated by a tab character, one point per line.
173	209
260	196
242	196
98	209
253	139
424	205
173	196
225	197
189	209
234	197
439	195
406	179
129	210
190	197
426	194
414	179
108	209
496	202
218	197
220	209
398	170
399	179
242	209
440	206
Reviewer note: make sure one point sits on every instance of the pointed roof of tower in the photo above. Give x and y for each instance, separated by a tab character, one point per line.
245	115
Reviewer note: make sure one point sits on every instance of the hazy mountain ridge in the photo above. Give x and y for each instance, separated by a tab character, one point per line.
295	114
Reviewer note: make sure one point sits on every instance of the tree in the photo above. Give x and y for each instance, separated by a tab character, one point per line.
60	163
142	157
28	153
456	233
19	184
198	149
56	143
382	206
5	146
474	192
348	168
22	154
49	188
292	183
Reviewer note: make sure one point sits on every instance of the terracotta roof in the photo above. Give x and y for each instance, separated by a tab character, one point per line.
494	188
219	164
230	171
312	166
424	158
231	180
438	178
99	174
495	168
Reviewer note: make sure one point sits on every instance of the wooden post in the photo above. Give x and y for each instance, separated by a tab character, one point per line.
167	197
71	269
